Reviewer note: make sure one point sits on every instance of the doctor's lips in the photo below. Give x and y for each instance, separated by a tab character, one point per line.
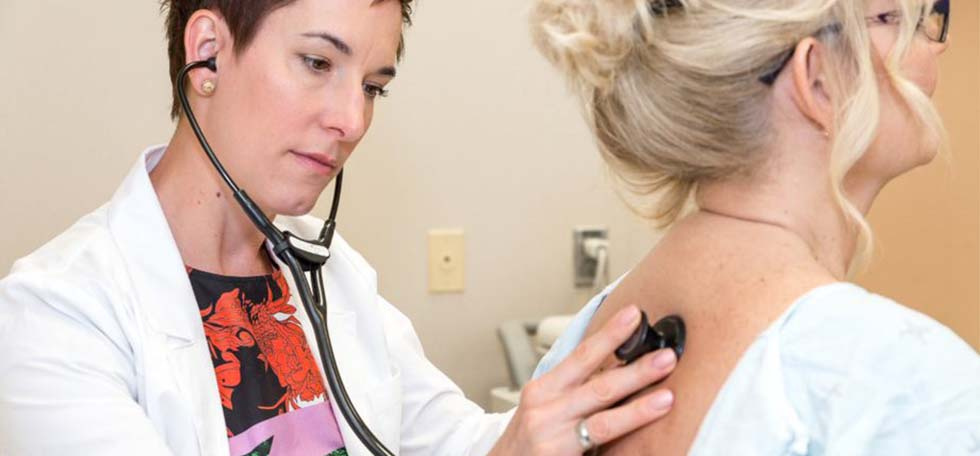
320	162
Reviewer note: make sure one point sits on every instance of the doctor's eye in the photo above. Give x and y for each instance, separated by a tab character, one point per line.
372	91
316	64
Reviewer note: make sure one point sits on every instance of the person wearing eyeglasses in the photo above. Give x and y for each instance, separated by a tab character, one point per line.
760	133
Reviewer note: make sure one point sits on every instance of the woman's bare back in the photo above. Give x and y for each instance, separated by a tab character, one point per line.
728	280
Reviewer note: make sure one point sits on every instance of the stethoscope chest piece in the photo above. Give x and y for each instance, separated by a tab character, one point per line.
668	332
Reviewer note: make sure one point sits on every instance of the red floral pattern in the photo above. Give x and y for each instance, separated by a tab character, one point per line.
233	322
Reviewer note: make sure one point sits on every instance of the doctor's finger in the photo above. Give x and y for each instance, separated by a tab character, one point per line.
613	385
612	424
589	355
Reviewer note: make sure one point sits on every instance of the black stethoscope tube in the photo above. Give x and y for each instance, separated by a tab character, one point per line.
313	297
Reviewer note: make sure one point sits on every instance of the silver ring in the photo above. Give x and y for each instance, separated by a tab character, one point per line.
584	439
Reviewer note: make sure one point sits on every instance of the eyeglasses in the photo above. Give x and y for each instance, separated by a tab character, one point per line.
934	25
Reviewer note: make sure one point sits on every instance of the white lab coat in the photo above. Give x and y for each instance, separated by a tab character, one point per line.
102	348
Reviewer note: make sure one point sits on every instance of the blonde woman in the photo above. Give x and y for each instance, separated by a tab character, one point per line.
760	132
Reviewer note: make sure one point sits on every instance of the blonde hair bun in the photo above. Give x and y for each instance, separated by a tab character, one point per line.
590	39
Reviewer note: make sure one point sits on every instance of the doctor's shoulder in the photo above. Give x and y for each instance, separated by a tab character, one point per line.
73	279
72	361
871	375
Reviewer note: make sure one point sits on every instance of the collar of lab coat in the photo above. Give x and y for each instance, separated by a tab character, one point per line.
165	297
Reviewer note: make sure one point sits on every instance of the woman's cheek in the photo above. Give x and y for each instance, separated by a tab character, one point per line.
922	68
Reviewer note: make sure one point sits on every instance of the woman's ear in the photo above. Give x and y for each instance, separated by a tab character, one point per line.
810	90
203	40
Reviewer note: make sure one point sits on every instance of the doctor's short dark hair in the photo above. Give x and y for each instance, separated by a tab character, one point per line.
243	17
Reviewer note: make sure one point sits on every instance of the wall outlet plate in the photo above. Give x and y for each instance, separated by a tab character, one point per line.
446	261
585	267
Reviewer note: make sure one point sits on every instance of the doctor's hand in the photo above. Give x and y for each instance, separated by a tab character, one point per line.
571	409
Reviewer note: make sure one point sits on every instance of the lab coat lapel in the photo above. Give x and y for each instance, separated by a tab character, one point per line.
167	301
343	324
343	336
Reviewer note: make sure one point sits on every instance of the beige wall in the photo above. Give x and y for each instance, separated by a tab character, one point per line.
478	134
84	88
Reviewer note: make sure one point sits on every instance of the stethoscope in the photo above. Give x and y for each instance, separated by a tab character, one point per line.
298	255
301	255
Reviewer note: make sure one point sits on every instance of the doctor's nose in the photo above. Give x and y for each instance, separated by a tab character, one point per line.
345	113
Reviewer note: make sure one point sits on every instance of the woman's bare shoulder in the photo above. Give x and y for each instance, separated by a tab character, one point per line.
729	289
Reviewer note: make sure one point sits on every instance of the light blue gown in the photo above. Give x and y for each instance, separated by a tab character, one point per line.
841	372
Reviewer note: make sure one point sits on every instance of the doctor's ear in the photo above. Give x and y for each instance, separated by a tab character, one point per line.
205	36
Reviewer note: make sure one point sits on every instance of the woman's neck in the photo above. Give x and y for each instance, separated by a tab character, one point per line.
211	231
800	205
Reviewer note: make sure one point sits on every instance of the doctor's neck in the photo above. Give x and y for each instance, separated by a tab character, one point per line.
211	231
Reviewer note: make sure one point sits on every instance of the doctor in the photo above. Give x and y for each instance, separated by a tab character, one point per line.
160	324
